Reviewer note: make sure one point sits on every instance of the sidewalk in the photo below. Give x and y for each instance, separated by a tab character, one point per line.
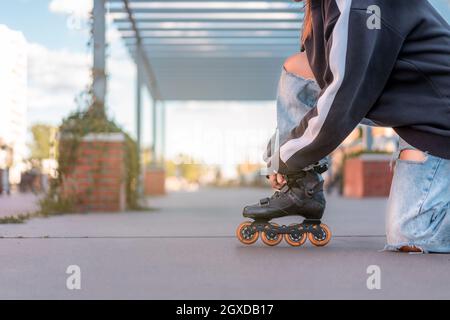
187	250
18	203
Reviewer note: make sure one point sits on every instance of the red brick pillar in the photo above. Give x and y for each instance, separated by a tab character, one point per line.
367	176
154	182
96	179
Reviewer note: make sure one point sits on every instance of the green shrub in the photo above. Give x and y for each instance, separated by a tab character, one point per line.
73	129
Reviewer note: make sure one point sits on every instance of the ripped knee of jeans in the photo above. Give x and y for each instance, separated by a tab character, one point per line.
409	155
413	155
298	65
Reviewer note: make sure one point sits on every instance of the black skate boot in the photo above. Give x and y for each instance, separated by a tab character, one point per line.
303	196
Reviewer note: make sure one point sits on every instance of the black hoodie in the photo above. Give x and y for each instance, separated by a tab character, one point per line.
385	60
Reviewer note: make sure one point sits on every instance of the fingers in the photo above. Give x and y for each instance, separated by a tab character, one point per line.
277	181
280	179
273	180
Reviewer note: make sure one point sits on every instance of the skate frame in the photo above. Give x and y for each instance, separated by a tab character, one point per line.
307	226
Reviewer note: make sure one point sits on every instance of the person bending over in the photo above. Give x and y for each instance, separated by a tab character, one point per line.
379	62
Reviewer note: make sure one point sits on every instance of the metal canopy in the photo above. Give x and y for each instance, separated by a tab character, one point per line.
207	49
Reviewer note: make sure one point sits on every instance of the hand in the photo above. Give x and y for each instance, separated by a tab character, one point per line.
277	181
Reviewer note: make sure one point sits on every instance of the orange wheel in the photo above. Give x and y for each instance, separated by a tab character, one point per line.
245	234
293	240
271	238
322	241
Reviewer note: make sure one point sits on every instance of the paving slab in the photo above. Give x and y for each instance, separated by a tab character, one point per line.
18	203
185	249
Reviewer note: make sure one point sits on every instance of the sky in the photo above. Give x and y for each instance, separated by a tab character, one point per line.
58	69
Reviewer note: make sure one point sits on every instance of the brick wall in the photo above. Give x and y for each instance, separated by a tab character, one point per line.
96	179
367	176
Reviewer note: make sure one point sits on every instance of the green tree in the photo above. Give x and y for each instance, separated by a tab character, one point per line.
43	141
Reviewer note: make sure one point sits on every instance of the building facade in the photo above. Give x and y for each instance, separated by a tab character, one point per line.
13	97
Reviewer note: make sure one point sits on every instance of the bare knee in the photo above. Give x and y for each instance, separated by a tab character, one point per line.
298	64
412	155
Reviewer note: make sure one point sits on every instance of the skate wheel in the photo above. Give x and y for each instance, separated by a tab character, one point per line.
245	234
322	241
271	238
295	240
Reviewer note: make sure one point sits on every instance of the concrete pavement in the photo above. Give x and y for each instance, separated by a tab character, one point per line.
18	203
186	250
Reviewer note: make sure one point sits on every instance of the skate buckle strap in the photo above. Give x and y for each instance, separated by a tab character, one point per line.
264	202
320	168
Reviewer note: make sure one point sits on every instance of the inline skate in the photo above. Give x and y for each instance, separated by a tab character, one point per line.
302	195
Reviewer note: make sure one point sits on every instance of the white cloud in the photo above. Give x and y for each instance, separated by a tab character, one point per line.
77	13
55	77
57	69
78	8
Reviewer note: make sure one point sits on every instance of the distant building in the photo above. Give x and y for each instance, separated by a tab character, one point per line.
13	96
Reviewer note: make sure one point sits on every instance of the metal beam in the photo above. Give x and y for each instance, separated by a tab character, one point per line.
233	25
207	19
221	54
237	9
368	138
204	1
234	16
211	48
150	78
213	17
99	63
163	131
218	41
212	5
154	130
184	34
217	54
139	77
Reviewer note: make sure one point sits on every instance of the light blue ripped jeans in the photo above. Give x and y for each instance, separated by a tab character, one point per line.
418	207
418	212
